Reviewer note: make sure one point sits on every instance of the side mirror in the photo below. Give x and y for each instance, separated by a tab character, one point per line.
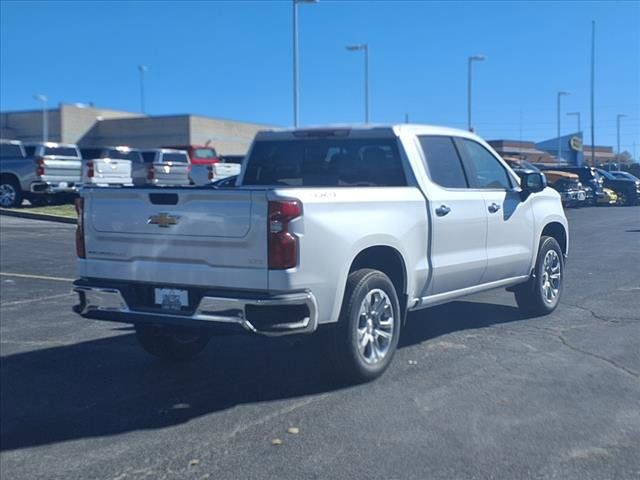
532	182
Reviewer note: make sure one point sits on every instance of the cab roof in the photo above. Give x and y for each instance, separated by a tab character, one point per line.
363	131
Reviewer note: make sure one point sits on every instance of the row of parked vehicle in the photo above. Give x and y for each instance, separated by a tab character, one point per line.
46	171
583	186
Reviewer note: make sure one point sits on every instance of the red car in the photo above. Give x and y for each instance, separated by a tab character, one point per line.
199	154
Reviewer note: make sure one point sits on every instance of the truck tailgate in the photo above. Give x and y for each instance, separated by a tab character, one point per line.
109	170
202	237
62	169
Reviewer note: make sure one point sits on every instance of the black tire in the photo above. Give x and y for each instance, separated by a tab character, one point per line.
536	297
349	362
10	192
627	198
175	345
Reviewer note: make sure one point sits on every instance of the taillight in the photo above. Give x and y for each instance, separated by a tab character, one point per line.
39	166
210	174
283	245
151	173
90	171
80	250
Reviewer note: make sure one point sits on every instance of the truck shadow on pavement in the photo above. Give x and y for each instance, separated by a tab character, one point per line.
109	386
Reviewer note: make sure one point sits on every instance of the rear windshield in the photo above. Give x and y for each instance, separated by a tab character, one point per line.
61	151
204	153
325	162
10	150
115	154
175	157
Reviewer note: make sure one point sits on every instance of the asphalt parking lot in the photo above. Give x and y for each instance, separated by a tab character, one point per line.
475	391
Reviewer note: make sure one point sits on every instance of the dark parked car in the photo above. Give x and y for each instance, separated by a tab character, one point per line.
591	180
232	158
566	184
623	175
628	190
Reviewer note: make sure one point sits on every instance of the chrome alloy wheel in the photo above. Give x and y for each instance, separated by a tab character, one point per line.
375	326
7	195
551	276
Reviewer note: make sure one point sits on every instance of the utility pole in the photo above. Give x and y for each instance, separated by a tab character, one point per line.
470	60
618	117
142	69
593	61
45	120
560	94
295	58
365	48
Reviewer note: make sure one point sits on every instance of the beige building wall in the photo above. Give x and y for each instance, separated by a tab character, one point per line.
78	121
228	137
27	125
141	132
89	126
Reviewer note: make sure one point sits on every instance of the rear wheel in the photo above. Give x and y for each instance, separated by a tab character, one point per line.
10	192
171	344
365	338
541	294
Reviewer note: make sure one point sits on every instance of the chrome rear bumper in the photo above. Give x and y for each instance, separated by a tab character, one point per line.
104	303
54	187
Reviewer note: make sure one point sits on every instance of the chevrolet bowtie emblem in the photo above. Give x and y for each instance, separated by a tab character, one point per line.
163	220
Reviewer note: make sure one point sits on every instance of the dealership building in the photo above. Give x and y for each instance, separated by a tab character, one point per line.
570	147
88	126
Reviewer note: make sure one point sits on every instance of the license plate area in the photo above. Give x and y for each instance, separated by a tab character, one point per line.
173	299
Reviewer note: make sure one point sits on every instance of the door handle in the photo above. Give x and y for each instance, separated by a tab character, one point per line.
442	210
494	207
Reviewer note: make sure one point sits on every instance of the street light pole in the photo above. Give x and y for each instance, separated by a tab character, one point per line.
45	120
295	57
142	69
618	117
365	48
478	58
560	94
576	114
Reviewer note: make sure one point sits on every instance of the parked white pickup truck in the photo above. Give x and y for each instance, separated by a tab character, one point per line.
346	229
37	171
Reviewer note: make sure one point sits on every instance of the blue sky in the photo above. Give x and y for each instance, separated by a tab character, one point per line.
233	60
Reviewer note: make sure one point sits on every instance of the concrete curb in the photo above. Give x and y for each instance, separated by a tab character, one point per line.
37	216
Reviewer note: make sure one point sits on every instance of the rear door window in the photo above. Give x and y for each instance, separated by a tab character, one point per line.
204	153
8	150
116	154
90	153
61	151
443	162
326	162
484	170
175	157
149	157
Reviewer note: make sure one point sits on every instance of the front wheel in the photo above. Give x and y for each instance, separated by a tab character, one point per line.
366	336
541	294
171	344
10	193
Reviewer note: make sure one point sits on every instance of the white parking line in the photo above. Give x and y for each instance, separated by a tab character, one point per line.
36	277
32	300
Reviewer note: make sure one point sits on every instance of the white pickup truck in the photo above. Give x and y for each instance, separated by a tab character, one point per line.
337	229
